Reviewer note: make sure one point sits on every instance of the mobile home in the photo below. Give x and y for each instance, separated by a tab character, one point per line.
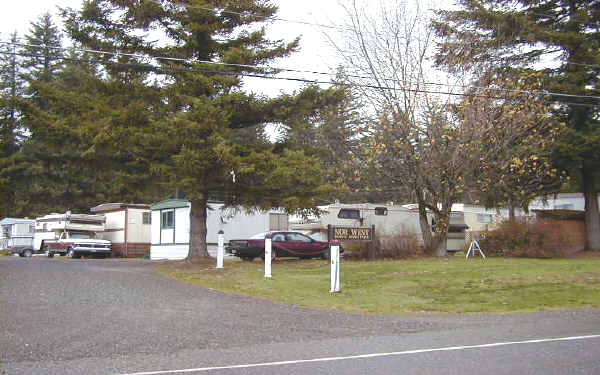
170	228
389	220
127	228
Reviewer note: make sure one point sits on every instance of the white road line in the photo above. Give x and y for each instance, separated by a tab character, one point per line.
363	356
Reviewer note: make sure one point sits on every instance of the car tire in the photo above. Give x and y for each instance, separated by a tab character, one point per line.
27	253
325	255
72	254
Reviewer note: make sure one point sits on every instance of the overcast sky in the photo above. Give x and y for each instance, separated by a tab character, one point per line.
315	54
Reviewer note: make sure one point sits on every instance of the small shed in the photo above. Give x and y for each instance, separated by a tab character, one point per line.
170	229
127	228
16	233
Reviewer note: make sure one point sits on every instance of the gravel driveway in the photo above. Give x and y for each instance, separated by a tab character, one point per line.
60	310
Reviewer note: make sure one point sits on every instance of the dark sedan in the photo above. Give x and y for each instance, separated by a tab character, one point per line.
284	244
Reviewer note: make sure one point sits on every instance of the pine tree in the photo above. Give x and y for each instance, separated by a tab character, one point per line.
11	92
500	34
192	140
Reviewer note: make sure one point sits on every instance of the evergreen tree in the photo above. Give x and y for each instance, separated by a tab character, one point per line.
501	34
192	140
43	48
11	91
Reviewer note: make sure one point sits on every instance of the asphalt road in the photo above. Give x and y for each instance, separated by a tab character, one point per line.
68	316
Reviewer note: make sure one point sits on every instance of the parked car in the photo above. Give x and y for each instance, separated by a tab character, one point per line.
284	244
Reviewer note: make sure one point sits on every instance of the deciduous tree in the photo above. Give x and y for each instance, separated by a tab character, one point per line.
562	35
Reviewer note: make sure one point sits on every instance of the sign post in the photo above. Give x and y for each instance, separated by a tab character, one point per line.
335	266
268	249
220	249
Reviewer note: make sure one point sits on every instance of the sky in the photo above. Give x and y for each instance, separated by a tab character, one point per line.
316	54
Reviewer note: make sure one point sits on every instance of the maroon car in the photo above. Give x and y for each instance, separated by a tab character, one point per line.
284	244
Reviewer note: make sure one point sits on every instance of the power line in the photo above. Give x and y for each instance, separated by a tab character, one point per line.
274	70
150	67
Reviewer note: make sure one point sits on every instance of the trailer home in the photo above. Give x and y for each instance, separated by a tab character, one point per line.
16	233
389	220
170	228
127	227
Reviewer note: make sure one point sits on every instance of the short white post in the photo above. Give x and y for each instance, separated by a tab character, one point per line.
334	257
268	250
220	249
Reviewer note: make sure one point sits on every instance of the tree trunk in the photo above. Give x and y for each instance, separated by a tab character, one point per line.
592	216
198	248
441	244
511	211
425	227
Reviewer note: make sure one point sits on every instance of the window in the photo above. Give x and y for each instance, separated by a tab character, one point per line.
381	211
278	238
567	206
146	218
484	218
167	220
349	213
297	237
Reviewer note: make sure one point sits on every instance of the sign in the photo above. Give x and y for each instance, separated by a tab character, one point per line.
352	234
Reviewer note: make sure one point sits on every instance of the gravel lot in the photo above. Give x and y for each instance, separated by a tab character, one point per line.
55	312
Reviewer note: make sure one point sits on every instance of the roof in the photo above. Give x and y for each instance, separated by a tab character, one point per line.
106	207
170	203
10	221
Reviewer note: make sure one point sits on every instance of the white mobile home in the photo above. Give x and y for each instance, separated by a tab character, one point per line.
389	220
170	228
127	228
16	233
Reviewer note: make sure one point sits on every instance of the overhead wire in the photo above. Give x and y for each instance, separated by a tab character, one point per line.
274	70
150	67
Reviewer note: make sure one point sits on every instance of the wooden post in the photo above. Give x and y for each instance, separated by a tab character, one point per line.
334	246
372	245
220	249
268	250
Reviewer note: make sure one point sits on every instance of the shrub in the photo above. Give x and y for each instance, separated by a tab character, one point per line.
527	238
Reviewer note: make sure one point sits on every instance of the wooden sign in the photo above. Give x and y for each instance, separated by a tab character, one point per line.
352	234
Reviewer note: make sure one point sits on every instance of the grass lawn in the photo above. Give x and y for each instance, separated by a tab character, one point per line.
452	285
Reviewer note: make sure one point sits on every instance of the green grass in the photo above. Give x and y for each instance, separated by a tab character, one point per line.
454	285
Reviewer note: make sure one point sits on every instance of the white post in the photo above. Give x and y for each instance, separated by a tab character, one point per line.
220	249
334	257
268	256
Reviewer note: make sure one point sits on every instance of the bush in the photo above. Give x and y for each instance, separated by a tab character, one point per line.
528	239
387	247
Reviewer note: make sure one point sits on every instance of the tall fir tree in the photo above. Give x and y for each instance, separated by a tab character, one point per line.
501	34
11	92
192	142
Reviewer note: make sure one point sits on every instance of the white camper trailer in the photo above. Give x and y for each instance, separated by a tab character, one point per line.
16	236
170	233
